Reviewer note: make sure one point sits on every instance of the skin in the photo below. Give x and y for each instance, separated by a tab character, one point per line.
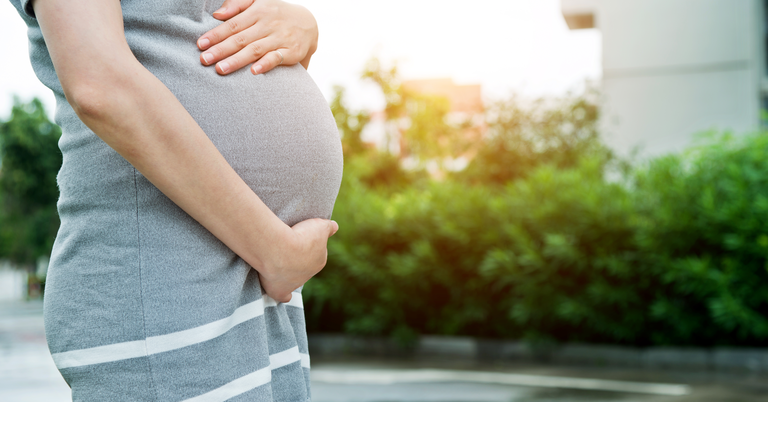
112	93
253	31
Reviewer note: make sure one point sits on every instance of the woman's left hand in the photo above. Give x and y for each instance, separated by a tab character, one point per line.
252	32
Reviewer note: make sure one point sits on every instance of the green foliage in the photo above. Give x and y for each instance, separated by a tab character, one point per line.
532	242
350	124
522	137
30	160
388	81
541	258
381	172
703	232
427	133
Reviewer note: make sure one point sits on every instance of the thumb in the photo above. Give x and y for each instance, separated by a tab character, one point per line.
231	8
332	228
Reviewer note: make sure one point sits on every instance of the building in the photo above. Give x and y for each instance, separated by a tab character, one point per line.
673	68
464	99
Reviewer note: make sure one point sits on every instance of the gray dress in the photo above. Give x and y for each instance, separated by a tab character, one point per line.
142	303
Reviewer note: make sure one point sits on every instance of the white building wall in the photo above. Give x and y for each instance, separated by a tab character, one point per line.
672	68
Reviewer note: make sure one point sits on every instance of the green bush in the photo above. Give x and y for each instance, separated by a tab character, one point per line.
29	161
675	254
536	258
522	137
703	232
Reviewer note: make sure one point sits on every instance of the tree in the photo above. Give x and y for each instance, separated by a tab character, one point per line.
350	124
524	136
426	132
29	161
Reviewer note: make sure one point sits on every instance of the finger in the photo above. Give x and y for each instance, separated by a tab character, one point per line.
268	288
234	44
333	227
231	8
238	23
270	61
249	54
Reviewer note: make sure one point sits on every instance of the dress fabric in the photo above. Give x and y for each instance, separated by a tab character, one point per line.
144	304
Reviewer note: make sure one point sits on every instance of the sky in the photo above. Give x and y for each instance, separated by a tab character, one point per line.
507	46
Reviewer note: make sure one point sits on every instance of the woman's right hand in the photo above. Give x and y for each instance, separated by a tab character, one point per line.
293	262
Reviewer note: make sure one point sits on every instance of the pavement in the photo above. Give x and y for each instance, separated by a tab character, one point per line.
27	373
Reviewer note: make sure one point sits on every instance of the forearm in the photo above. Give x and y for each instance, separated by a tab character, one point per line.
144	122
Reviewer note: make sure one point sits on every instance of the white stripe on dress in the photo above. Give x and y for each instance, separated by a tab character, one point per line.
283	358
171	341
236	387
252	380
102	354
184	338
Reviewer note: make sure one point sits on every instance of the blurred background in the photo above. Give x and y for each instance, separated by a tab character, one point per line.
542	200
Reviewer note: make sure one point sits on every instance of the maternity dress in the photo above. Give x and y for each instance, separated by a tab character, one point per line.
142	302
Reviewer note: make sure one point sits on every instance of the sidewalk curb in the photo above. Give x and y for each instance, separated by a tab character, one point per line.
466	348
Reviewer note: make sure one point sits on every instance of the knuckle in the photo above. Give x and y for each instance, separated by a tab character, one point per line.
240	41
255	50
219	34
233	26
217	51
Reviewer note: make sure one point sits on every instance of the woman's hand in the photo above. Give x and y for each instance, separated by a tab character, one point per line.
252	32
295	261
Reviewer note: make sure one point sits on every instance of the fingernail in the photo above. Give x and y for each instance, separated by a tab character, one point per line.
207	58
203	43
224	66
257	69
221	11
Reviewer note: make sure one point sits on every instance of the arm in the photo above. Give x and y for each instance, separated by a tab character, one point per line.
254	30
134	113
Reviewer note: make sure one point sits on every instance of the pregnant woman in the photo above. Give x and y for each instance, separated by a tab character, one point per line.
194	204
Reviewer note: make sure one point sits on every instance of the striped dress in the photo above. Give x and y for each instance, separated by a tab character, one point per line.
144	304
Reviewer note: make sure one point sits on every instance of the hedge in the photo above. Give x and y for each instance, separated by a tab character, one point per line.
672	252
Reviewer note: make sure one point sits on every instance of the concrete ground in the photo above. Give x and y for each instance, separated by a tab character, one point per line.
27	373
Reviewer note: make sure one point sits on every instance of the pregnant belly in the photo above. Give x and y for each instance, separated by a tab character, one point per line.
277	132
276	129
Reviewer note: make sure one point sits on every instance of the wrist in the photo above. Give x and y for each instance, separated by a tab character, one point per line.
309	25
269	252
